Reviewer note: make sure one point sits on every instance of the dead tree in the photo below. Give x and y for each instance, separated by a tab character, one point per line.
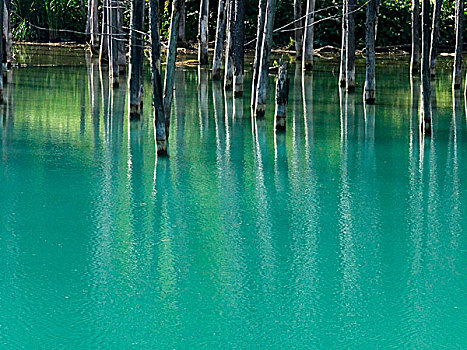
158	107
297	12
435	36
457	74
2	13
171	60
282	96
307	62
343	66
136	58
7	32
370	81
93	26
182	26
218	48
259	43
228	73
203	33
350	46
238	52
112	29
425	115
262	86
120	37
103	52
415	58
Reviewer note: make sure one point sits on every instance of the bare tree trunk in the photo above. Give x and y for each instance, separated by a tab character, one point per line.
103	52
112	13
435	37
282	97
120	38
228	74
307	62
343	66
171	60
415	59
259	44
350	46
457	74
220	31
7	31
182	25
2	13
262	87
158	107
93	26
136	58
425	115
370	81
239	42
203	33
297	12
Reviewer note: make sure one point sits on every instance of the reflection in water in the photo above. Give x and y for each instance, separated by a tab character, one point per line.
203	101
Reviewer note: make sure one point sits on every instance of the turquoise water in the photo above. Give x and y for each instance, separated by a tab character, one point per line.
347	231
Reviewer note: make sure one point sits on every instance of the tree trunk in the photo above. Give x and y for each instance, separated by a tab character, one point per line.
307	63
112	13
415	59
2	13
239	43
435	37
259	43
203	33
370	81
262	87
220	31
181	26
350	46
297	12
103	53
171	60
457	75
343	66
136	58
93	26
7	32
158	107
120	38
228	74
425	115
282	96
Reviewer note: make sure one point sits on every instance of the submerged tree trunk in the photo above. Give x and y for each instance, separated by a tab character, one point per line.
350	46
307	62
425	115
259	43
297	12
7	32
93	26
136	58
435	36
220	31
120	38
457	74
238	52
343	66
282	97
112	13
228	74
2	13
415	59
182	26
158	107
203	33
370	81
103	52
171	60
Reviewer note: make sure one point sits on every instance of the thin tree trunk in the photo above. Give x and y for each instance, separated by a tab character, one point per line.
297	12
171	60
435	36
370	81
2	13
120	38
220	31
158	107
259	43
203	33
7	31
350	46
112	14
228	74
93	26
263	78
415	59
239	42
457	74
103	52
307	63
282	97
343	66
182	25
425	115
136	58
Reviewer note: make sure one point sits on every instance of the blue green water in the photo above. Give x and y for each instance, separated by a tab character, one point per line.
347	231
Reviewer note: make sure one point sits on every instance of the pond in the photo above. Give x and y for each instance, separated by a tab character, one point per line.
346	231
